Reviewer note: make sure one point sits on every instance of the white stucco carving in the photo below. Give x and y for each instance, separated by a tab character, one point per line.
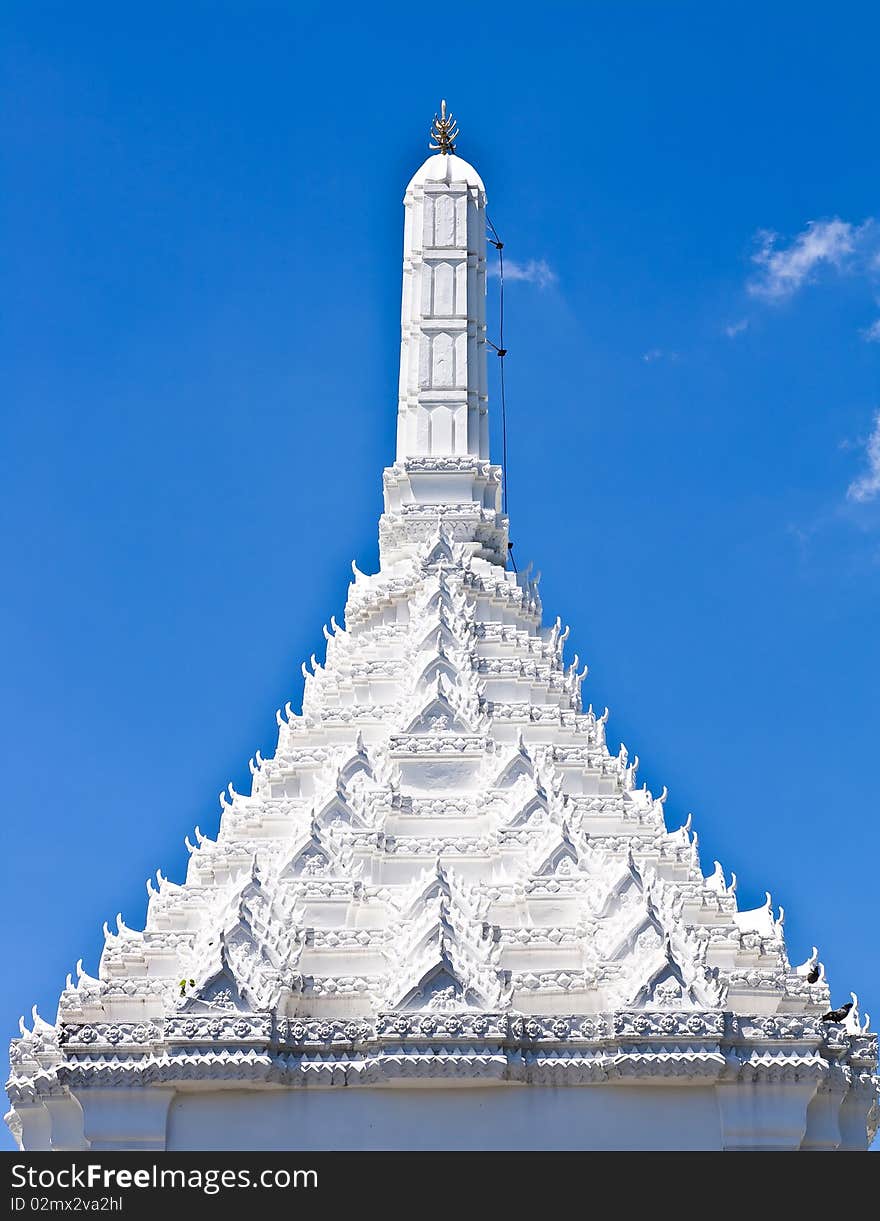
442	875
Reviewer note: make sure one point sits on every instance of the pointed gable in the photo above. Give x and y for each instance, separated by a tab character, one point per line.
219	989
438	716
439	989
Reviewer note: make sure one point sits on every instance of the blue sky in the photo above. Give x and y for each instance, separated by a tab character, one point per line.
201	206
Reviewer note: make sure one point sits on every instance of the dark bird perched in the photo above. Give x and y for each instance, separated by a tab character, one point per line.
837	1015
813	976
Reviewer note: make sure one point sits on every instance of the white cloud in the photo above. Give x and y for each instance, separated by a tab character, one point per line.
535	271
785	270
867	486
872	332
658	354
736	328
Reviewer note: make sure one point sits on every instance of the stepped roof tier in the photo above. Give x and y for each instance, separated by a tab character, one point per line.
442	877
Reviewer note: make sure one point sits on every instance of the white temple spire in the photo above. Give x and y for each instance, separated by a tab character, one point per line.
442	414
442	399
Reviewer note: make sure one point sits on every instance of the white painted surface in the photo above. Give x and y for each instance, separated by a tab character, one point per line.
525	1117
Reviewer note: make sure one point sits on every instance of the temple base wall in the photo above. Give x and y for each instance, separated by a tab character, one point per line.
499	1117
420	1116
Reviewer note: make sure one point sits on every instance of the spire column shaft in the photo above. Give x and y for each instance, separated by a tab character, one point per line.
442	406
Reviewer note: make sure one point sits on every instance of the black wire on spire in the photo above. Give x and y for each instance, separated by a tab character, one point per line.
501	351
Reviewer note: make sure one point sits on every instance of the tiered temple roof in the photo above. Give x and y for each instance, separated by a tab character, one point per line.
442	870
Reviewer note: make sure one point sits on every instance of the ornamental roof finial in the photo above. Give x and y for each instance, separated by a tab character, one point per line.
444	132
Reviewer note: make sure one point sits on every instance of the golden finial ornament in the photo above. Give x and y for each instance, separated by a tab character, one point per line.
444	132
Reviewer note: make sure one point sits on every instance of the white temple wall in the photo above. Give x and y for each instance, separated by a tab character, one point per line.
507	1117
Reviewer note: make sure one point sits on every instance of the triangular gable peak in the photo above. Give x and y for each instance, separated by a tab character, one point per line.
318	855
262	922
337	810
443	927
666	988
439	989
518	764
559	855
671	982
438	634
432	883
443	552
218	989
439	666
529	812
438	599
626	890
438	716
440	882
639	932
446	978
356	767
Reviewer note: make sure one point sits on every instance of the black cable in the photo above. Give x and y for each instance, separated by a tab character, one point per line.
502	352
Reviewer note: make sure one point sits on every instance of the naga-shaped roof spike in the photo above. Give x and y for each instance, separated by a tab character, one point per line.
278	718
852	1022
334	625
716	880
811	967
38	1021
